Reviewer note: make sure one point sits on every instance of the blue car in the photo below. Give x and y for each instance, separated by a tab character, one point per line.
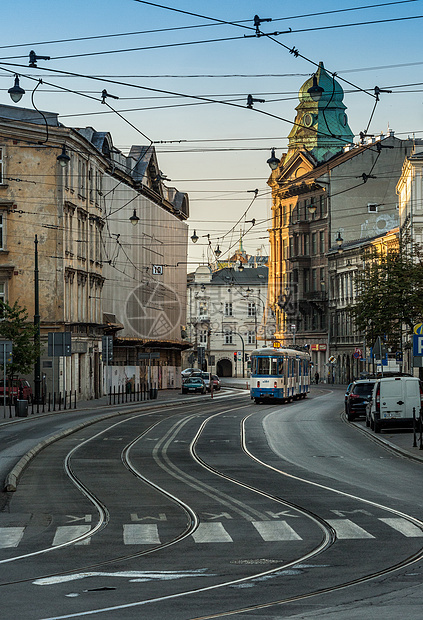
193	385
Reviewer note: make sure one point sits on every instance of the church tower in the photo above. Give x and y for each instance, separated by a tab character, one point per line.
321	125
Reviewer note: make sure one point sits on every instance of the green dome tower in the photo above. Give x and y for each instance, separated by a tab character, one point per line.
321	126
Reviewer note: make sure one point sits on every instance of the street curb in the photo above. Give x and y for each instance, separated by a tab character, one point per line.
387	444
12	478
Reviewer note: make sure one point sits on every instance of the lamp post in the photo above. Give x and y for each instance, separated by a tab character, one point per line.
258	296
37	335
293	330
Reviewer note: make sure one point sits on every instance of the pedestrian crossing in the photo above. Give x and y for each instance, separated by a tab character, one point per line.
212	532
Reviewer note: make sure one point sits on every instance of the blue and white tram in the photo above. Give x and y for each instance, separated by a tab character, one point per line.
279	374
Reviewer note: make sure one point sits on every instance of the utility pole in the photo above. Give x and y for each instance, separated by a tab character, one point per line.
37	335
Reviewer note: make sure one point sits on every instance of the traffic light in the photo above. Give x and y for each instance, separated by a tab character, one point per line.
235	356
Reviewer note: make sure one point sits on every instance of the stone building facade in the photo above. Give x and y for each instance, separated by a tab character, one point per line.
91	258
326	192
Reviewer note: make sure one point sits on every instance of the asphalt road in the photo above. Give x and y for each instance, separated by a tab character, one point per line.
210	508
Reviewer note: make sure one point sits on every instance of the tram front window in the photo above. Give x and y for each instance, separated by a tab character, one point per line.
263	366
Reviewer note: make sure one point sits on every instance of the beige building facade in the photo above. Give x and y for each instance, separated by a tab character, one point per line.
91	257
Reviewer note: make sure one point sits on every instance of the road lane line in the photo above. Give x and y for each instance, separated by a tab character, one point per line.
211	533
10	536
403	526
348	530
272	531
140	534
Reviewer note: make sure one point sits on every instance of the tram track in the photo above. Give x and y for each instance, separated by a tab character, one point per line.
161	450
101	508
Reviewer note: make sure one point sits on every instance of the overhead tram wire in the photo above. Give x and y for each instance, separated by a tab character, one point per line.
219	40
239	22
149	88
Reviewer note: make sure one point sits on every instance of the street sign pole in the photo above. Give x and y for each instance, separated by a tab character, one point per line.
4	379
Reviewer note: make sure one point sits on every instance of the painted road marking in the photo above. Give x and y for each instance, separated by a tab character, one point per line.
141	534
272	531
404	527
347	530
10	536
67	533
211	533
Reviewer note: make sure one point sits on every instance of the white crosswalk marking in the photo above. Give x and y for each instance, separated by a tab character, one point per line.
403	526
272	531
67	533
10	536
141	534
211	533
347	530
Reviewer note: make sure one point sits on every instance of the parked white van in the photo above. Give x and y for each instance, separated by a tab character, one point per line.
392	403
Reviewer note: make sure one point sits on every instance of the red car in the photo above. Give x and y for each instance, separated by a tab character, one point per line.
15	388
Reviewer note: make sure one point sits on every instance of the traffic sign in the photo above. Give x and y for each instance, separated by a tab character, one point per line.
418	329
417	346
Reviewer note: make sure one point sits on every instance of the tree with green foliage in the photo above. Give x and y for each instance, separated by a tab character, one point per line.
14	326
389	293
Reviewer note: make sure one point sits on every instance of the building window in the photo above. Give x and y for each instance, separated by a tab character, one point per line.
251	337
314	243
2	231
1	165
228	336
203	336
202	308
306	275
251	308
228	309
314	279
322	241
306	245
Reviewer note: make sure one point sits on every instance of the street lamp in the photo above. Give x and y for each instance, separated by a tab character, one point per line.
63	158
293	330
194	237
217	251
273	162
339	241
315	91
134	219
16	92
240	266
312	207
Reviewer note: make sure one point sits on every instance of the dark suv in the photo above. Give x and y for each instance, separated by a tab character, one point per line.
358	397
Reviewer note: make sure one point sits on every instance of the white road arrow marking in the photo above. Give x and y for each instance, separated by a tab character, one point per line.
284	513
222	515
72	518
161	517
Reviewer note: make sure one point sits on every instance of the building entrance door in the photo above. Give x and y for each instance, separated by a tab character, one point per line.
224	368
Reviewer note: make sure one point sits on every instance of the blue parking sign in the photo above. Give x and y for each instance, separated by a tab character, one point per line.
417	346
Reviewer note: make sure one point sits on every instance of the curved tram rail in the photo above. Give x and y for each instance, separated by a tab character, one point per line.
160	453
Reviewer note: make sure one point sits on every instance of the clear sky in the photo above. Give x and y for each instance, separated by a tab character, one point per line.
214	151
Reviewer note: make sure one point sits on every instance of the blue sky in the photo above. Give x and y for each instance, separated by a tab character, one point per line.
218	152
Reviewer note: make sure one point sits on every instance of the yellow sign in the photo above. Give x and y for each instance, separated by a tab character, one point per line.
276	344
418	329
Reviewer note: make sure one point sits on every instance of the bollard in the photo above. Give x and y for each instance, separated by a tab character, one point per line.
414	429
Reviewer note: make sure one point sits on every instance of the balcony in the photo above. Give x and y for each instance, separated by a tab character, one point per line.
316	296
202	318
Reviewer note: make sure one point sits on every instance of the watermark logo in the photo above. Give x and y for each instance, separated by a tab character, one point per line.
153	310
